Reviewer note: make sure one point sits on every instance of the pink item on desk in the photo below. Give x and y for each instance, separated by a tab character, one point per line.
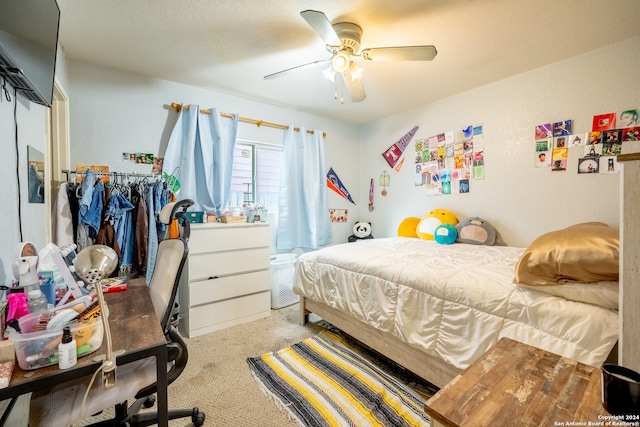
17	305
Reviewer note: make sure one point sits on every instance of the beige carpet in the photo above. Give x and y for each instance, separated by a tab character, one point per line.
217	378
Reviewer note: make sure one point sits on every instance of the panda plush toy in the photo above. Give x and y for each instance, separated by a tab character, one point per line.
361	230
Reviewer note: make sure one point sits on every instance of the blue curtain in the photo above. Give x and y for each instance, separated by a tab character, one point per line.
303	219
200	156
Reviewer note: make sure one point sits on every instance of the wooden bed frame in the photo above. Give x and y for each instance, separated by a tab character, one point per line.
434	370
439	373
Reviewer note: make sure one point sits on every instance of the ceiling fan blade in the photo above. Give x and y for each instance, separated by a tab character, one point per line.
321	26
354	87
299	67
400	53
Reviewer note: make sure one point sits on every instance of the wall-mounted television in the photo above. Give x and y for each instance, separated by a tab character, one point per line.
28	45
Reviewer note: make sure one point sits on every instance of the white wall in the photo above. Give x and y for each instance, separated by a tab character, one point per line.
114	112
32	128
521	201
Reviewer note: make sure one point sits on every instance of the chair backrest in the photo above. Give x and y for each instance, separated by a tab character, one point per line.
170	261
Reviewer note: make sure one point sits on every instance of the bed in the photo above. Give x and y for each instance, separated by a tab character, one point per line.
434	309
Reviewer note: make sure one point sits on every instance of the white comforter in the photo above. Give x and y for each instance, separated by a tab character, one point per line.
451	301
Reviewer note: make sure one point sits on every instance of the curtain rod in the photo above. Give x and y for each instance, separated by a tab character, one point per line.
258	123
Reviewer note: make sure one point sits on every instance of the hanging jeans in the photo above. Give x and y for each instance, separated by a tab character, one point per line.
87	191
93	216
119	211
161	194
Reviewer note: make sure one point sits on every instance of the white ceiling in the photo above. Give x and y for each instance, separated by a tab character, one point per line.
230	45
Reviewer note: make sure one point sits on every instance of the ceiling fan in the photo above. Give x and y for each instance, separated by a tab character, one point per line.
343	41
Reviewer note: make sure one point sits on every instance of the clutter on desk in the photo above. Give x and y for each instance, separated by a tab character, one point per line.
7	362
46	299
113	284
67	357
37	336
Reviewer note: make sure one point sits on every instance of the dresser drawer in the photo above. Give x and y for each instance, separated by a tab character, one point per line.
206	291
223	314
228	237
209	265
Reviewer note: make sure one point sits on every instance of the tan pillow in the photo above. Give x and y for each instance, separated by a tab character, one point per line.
583	253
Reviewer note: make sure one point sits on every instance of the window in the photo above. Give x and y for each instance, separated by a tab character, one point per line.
256	175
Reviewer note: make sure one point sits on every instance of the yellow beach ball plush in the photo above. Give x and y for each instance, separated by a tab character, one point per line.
428	224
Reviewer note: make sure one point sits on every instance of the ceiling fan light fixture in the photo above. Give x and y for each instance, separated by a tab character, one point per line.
356	72
329	74
340	62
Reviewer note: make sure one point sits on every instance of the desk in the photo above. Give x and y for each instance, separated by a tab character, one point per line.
134	329
520	385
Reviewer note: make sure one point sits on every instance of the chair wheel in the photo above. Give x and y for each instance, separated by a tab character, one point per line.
197	418
149	401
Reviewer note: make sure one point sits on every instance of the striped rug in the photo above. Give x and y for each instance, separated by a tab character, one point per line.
326	380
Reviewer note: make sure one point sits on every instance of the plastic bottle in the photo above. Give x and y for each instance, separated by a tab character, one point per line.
67	356
37	302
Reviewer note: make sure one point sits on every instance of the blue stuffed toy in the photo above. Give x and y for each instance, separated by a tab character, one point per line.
445	234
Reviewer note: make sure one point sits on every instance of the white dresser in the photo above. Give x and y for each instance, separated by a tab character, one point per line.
227	280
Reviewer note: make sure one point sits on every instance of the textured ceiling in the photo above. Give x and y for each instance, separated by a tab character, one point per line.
229	45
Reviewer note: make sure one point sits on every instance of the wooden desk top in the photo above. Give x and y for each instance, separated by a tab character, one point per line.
516	384
134	328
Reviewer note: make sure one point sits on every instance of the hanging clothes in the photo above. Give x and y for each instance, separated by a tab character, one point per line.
86	191
141	233
74	207
153	232
119	211
107	236
90	217
61	218
123	216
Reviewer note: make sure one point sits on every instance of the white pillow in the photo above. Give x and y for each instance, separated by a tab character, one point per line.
602	294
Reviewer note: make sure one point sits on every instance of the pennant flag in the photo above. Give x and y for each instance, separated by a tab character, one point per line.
334	183
398	166
393	153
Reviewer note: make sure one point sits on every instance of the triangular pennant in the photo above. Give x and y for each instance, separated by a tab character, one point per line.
392	154
332	178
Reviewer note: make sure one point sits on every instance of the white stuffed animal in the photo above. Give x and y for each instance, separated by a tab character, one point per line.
361	230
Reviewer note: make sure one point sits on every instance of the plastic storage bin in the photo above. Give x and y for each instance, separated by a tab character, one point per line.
257	215
39	349
282	269
196	217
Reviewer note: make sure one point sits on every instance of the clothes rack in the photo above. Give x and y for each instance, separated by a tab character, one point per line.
114	174
122	213
258	123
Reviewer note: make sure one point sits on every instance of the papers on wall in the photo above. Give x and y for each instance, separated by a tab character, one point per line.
600	146
447	162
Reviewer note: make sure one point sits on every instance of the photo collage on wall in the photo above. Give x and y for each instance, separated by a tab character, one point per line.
600	146
447	162
145	159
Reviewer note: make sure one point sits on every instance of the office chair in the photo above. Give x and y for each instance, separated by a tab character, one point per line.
62	405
